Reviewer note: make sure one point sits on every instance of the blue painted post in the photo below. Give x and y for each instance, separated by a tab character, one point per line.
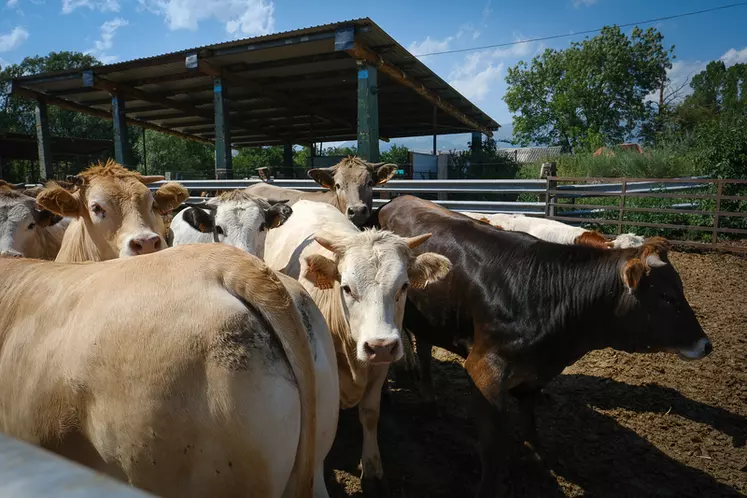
223	157
368	113
121	144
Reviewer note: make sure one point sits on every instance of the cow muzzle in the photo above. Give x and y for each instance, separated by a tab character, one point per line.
10	253
143	243
358	214
700	350
377	351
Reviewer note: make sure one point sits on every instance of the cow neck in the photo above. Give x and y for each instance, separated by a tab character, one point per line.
48	241
352	372
79	245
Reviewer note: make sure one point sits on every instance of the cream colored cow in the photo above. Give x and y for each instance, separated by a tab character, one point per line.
191	372
359	280
114	214
26	230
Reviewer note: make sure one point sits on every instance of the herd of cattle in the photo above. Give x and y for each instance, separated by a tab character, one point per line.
204	369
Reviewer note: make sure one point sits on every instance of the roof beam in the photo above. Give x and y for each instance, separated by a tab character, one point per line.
72	106
282	98
360	52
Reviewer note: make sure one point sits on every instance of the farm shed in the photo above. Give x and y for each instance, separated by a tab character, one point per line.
342	81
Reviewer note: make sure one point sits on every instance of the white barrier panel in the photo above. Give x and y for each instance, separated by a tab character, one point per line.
27	471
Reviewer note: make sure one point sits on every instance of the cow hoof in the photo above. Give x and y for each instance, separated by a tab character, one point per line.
374	487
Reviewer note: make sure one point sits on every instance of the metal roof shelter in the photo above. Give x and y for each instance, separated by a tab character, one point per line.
341	81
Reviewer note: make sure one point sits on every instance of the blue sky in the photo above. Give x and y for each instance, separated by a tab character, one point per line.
115	30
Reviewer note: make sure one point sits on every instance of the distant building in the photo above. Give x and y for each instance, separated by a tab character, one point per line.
530	155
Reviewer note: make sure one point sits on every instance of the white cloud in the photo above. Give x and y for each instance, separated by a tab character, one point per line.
106	42
429	45
477	86
12	3
585	3
13	39
69	6
734	56
3	63
241	17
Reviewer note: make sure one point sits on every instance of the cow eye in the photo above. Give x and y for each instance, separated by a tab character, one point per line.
31	226
98	210
337	186
219	230
370	183
346	290
262	227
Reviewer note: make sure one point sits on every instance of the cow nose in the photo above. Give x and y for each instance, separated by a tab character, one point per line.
381	350
145	244
357	214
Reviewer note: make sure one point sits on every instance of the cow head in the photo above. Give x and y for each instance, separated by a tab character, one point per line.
239	219
654	311
114	210
371	271
352	180
20	223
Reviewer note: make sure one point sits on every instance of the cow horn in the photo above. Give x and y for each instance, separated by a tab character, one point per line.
413	242
654	261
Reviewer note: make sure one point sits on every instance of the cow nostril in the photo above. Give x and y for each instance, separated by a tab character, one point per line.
368	349
157	244
351	212
135	246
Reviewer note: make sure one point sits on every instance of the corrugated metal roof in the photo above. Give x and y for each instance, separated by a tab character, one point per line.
527	155
290	86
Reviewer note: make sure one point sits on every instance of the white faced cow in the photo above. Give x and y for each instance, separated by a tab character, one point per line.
359	280
236	218
27	231
114	214
349	185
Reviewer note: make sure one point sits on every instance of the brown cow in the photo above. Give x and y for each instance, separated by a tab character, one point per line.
115	215
350	187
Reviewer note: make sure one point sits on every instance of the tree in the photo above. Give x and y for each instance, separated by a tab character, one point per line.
397	154
588	95
484	162
192	160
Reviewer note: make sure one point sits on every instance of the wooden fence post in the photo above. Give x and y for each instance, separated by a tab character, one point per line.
549	171
719	193
621	210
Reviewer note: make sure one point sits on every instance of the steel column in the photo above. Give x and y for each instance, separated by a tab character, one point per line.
121	144
476	141
368	113
288	155
43	140
223	157
435	129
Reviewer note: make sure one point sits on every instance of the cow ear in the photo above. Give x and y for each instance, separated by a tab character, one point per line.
58	200
384	173
323	176
147	180
45	218
321	271
277	214
428	268
169	196
632	274
199	220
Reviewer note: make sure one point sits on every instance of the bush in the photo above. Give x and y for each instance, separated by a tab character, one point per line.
653	163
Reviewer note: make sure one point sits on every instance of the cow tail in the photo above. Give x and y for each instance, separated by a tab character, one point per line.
254	282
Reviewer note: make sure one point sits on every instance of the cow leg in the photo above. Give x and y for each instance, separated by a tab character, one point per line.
372	477
527	399
488	374
425	352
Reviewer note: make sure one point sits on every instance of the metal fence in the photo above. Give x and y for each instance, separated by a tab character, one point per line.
557	198
27	471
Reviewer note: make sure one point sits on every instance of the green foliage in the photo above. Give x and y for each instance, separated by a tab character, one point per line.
653	163
720	146
590	94
485	162
192	160
397	154
341	151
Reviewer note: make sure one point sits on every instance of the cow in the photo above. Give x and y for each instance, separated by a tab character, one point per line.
235	217
349	186
114	213
359	280
521	309
191	372
556	231
27	231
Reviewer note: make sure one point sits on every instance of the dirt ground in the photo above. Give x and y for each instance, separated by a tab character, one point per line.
613	424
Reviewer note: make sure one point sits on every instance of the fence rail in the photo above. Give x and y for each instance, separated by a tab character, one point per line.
550	194
27	471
